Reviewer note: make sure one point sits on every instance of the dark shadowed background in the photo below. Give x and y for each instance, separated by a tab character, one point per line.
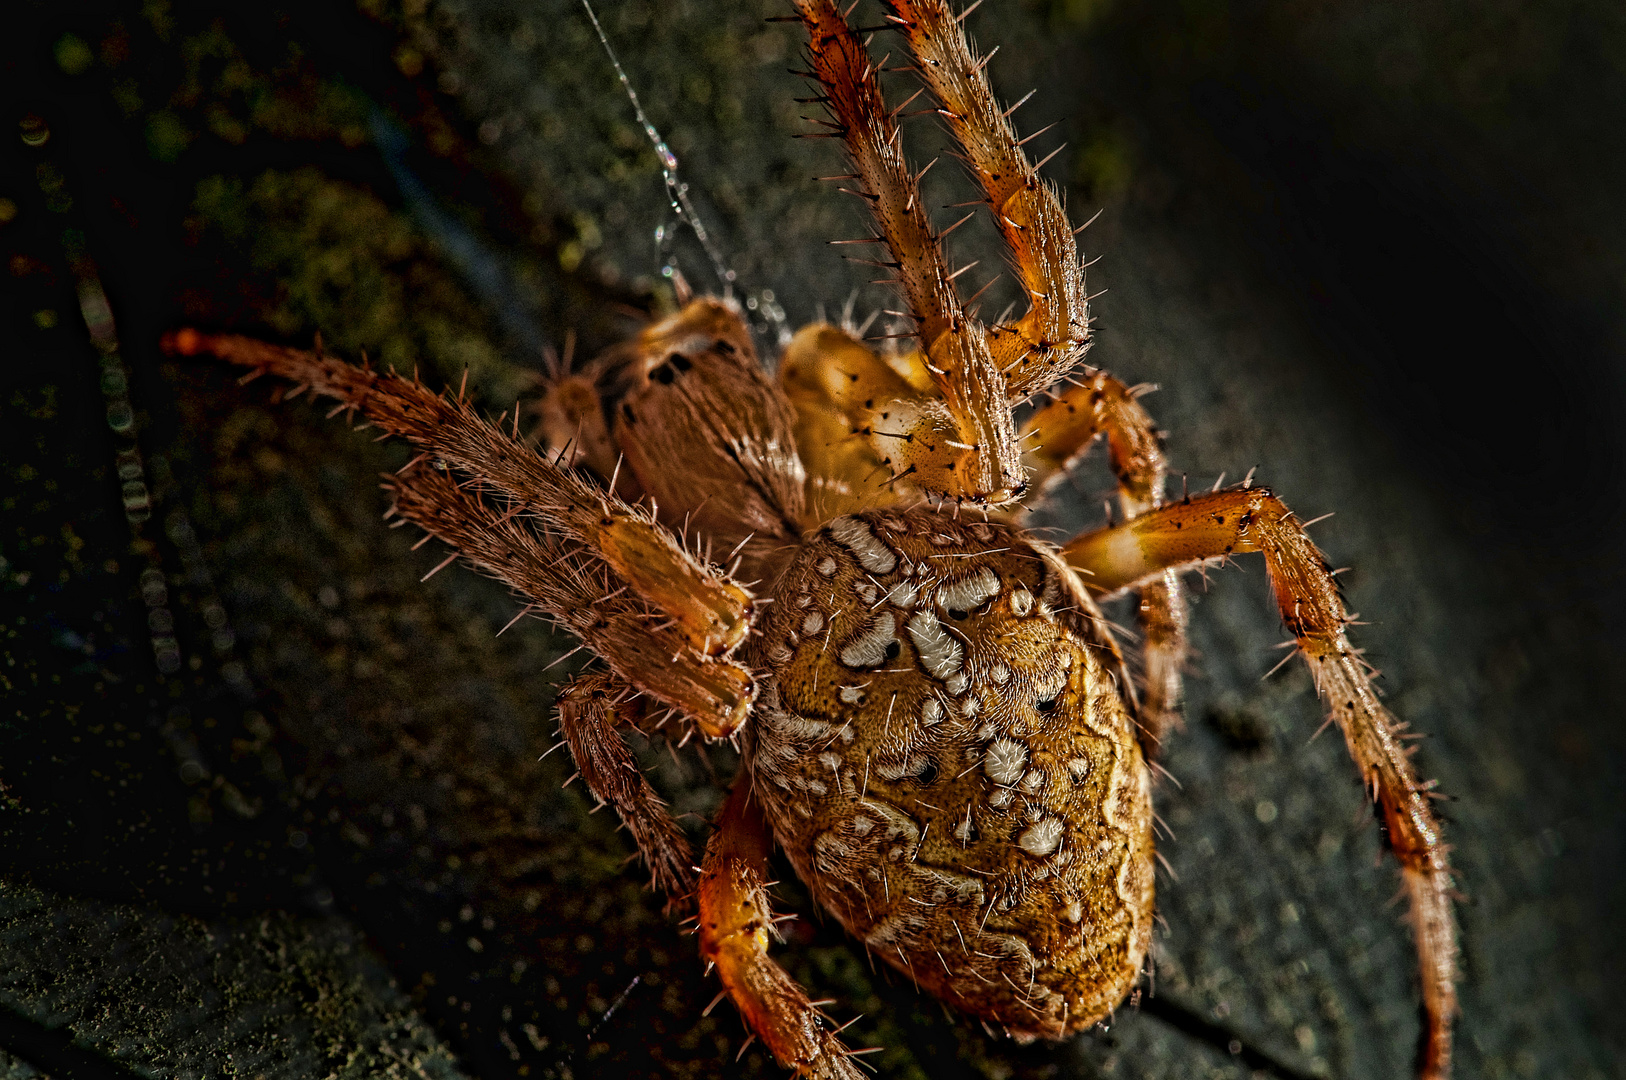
274	808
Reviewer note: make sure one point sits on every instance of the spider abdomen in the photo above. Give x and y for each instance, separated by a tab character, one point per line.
942	751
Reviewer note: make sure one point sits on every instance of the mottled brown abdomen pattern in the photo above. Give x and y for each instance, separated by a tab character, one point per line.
943	752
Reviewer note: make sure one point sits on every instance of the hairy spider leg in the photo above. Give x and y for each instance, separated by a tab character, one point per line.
1218	525
1053	439
1051	338
663	620
589	716
736	925
962	446
582	595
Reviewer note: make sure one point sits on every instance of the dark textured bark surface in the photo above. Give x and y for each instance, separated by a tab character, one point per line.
1377	254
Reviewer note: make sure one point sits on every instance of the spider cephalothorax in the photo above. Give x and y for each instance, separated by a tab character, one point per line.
936	727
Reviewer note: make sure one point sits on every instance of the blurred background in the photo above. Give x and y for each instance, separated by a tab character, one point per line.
273	807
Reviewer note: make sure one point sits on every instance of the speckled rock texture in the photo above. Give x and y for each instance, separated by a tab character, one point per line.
274	807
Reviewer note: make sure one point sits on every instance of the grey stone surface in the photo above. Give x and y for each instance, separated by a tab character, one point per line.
169	995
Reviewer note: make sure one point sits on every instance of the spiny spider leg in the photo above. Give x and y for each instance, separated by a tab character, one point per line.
589	716
736	923
1053	438
579	592
965	446
1224	523
615	577
1051	339
1161	612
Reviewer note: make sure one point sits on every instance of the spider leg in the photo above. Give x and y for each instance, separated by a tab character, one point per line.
588	719
962	446
1162	614
1052	337
735	924
579	591
611	574
1218	525
1053	438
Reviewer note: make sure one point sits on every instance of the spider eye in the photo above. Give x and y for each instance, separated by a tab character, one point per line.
664	374
958	615
928	774
892	649
682	363
1048	707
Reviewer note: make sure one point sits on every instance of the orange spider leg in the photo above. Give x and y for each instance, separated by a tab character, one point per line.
588	719
735	927
1224	523
1054	437
1051	339
576	589
964	446
713	612
613	576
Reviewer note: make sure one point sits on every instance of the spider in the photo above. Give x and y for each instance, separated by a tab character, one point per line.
937	726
